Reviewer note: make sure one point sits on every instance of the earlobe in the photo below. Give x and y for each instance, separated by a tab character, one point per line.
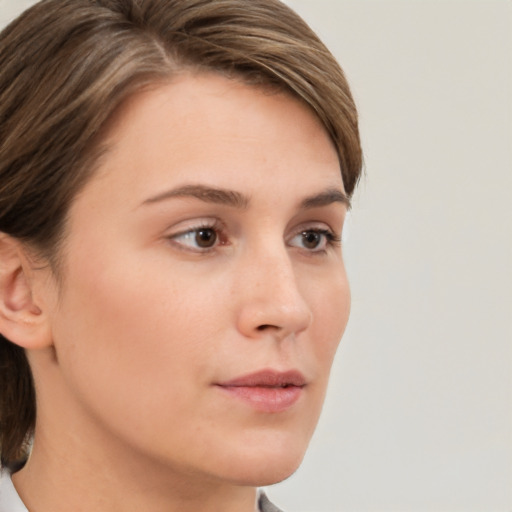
22	320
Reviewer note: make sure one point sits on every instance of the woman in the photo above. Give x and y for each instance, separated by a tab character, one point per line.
174	178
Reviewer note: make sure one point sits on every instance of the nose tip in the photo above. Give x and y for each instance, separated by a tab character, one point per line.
266	318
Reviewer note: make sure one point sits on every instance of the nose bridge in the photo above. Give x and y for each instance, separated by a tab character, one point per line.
280	274
273	299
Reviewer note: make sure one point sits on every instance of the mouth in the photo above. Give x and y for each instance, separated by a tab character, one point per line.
266	391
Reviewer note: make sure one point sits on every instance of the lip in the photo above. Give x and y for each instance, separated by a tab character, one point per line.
267	391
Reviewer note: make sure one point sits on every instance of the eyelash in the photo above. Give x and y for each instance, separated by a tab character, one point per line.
329	237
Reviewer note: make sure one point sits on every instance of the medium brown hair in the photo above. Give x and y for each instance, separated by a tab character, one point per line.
66	67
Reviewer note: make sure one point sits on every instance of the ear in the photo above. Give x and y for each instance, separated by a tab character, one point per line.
22	320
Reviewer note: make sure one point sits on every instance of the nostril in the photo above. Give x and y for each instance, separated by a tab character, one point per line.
266	326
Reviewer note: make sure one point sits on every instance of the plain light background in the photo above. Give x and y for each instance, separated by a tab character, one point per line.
419	412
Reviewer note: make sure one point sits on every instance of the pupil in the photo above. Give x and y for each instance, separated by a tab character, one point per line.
206	237
311	239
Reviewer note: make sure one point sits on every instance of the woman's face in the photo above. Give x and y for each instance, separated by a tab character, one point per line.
204	293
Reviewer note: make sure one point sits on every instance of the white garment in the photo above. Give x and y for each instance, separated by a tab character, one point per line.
9	499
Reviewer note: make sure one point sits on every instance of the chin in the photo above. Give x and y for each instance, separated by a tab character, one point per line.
274	474
265	454
266	465
267	473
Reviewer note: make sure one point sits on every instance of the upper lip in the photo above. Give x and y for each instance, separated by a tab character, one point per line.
267	378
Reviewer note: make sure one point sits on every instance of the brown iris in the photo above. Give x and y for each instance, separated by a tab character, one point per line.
206	237
311	239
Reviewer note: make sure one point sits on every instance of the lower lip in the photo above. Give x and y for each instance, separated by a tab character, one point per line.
266	399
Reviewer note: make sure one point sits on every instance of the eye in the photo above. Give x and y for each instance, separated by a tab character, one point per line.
199	239
314	240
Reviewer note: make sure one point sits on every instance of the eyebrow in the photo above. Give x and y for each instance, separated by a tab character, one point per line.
325	198
241	201
206	194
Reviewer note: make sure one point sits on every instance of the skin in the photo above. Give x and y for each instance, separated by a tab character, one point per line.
144	323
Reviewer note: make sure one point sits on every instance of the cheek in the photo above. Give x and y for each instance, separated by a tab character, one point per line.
135	330
136	349
331	310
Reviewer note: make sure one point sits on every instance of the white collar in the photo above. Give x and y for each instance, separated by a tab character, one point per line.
9	498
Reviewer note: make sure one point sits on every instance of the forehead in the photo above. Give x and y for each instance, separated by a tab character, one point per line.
217	131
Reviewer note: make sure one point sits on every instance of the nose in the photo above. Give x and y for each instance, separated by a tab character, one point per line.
271	301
